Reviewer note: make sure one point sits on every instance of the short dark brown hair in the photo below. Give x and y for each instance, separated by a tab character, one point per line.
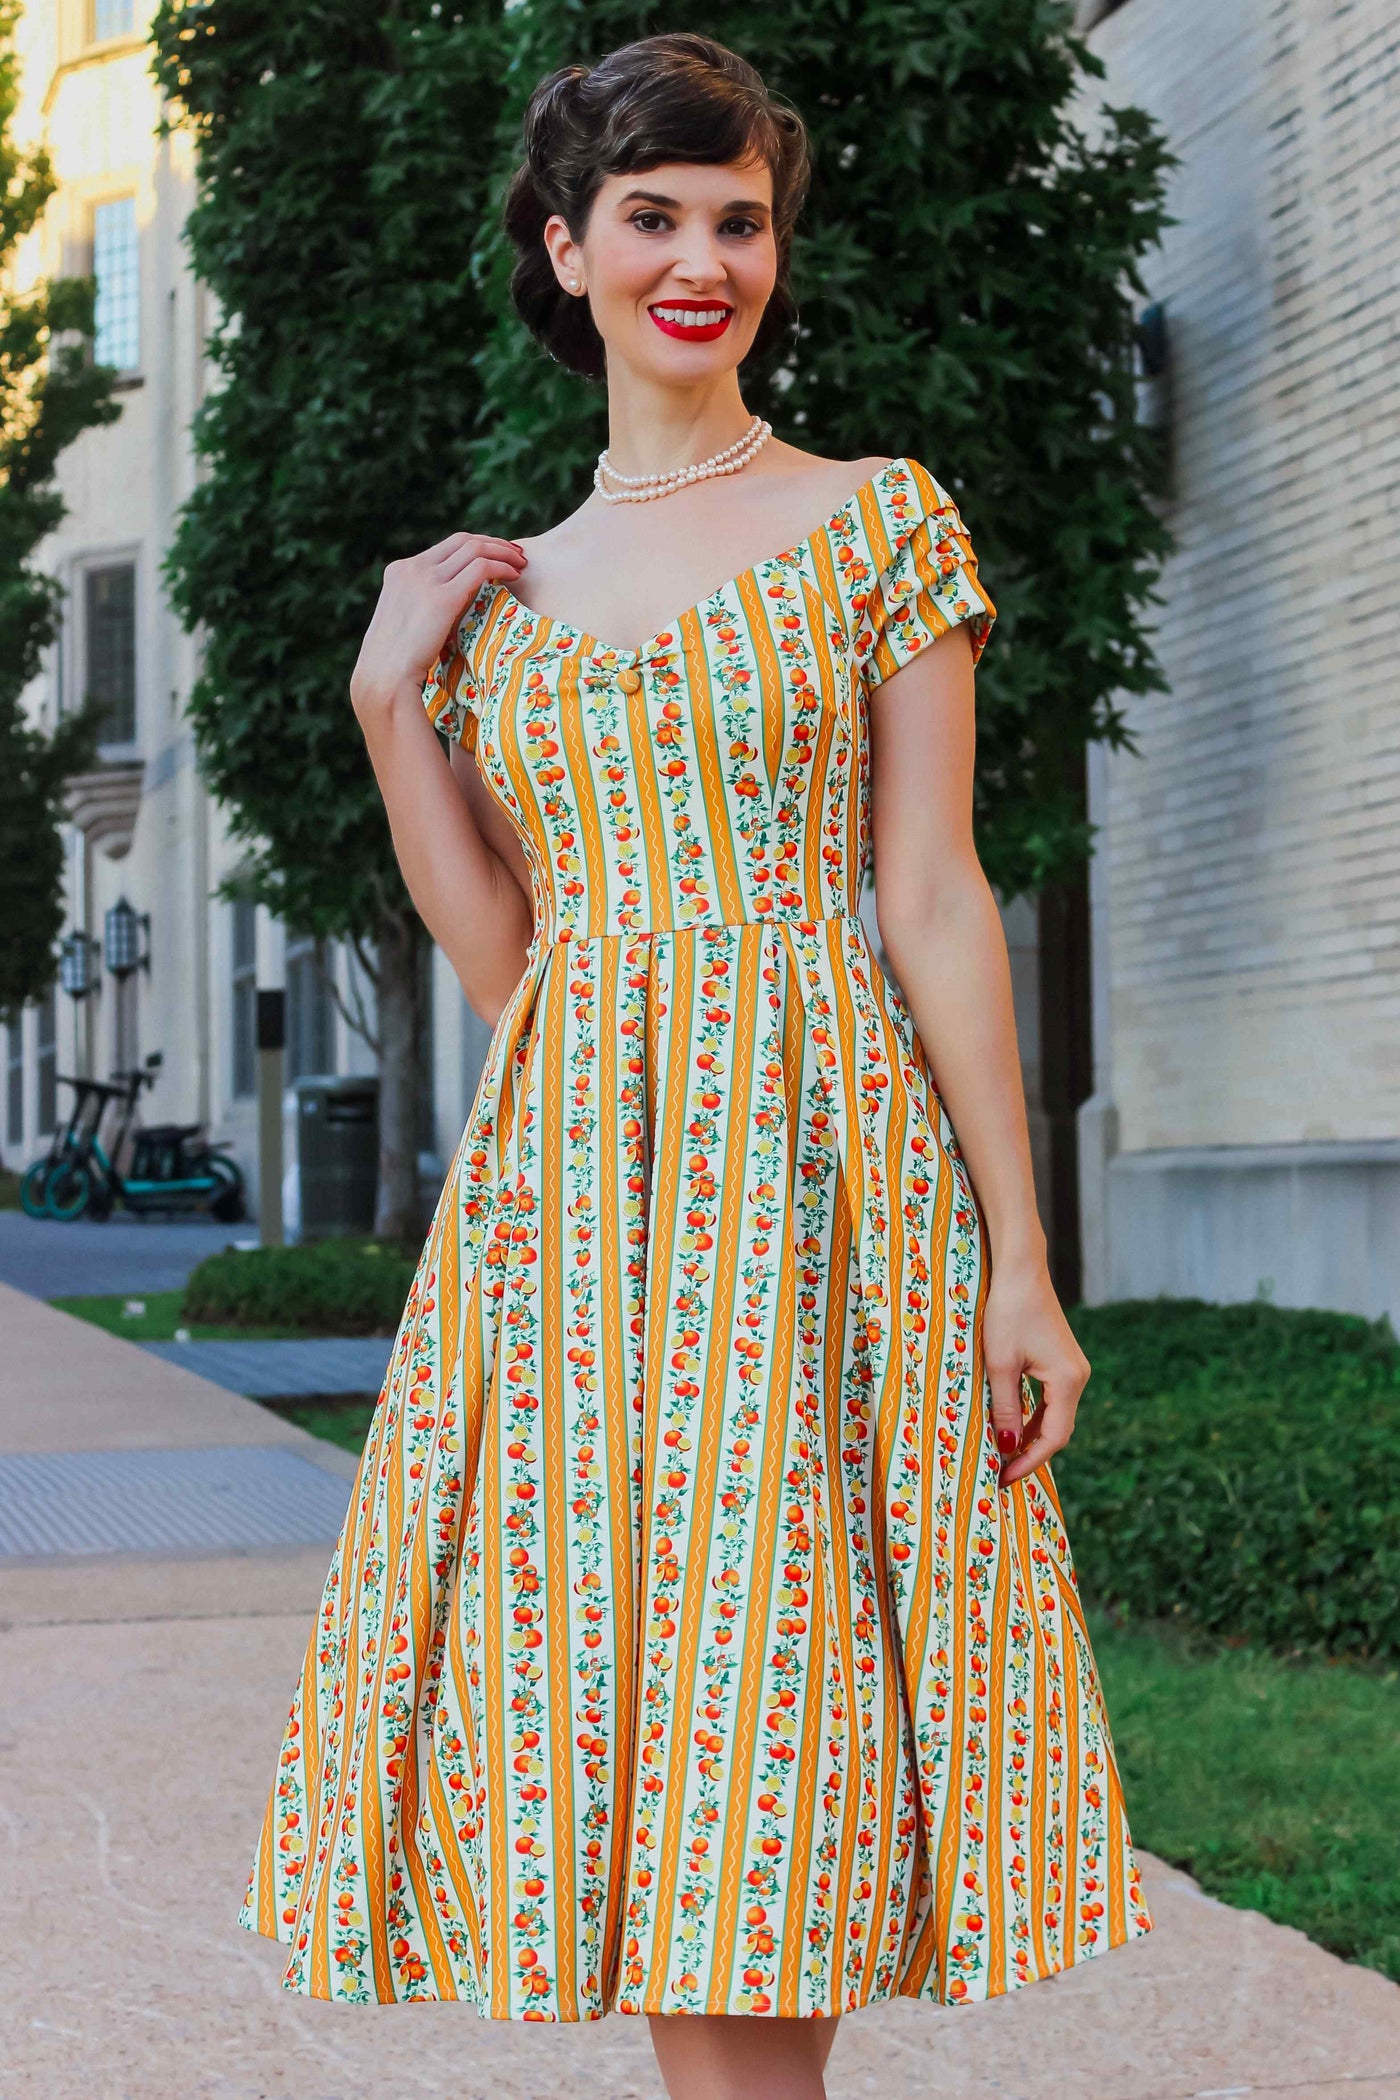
679	97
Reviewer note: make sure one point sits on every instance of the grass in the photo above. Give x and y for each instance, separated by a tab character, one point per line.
340	1420
1272	1781
161	1317
9	1189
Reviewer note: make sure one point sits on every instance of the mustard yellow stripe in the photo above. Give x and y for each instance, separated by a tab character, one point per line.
574	724
676	968
714	809
964	1618
769	1546
652	851
745	950
770	700
1036	1847
558	1400
621	1065
994	1909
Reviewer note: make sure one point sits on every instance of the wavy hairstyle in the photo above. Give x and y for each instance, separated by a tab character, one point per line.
679	97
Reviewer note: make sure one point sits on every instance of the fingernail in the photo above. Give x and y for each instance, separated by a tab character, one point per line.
1007	1440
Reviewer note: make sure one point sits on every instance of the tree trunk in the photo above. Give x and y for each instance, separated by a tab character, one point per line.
398	1212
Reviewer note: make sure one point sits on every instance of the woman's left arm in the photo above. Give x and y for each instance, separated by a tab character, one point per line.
942	931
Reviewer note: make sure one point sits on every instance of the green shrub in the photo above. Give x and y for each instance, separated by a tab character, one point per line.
1238	1468
327	1287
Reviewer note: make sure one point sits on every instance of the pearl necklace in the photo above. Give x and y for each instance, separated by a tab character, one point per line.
642	488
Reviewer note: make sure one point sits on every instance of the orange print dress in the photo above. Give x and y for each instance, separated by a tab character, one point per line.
680	1651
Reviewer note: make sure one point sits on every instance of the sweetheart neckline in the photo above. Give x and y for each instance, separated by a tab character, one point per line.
558	624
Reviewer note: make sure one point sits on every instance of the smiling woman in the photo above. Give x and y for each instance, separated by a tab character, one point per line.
703	1639
693	104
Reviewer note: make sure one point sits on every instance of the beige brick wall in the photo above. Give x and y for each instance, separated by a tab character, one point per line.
1251	854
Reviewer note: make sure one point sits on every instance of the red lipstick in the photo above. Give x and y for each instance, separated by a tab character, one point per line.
665	313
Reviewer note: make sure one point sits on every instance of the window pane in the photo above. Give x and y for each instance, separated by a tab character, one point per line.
115	266
48	1061
14	1038
310	1014
245	998
111	649
113	18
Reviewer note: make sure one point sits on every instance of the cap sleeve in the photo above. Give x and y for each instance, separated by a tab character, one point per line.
451	691
929	584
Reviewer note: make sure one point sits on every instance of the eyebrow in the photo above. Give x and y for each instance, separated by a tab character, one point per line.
673	203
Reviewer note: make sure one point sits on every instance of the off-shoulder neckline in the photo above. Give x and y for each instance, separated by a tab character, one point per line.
556	624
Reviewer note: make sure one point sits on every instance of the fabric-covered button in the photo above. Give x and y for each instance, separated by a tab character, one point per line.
629	680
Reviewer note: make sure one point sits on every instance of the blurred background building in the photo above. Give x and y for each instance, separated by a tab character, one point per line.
1211	1033
143	826
1244	1128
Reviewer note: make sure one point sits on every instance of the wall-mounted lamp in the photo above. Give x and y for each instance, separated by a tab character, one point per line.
78	964
122	929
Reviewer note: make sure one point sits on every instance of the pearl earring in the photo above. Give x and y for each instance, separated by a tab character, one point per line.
574	284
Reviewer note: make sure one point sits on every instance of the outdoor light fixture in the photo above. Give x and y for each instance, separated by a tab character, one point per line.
121	930
77	964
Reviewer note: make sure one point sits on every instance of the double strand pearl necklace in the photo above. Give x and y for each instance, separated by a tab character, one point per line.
643	488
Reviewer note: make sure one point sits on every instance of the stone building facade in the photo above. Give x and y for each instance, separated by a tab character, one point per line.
1243	1136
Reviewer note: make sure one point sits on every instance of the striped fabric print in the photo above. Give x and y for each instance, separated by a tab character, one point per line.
680	1650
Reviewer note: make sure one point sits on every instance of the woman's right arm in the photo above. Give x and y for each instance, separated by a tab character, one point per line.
467	896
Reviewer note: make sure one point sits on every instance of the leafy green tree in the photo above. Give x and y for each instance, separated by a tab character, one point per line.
965	269
50	391
341	186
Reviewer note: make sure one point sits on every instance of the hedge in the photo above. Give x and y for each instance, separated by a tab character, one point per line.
329	1287
1238	1468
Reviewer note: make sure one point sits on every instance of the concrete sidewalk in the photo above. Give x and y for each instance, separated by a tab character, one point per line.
144	1697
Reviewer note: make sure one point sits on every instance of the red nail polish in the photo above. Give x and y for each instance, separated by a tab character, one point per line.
1007	1439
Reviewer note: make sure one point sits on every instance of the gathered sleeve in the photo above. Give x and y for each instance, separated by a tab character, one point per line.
450	692
929	584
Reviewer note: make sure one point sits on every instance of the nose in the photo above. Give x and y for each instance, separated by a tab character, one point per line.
700	264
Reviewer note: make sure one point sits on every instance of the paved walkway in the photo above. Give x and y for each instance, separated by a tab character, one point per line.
145	1694
52	1260
285	1370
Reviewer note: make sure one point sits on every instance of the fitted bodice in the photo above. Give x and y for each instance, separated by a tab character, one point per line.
720	773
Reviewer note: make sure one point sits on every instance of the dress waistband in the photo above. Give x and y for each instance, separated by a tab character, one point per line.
709	926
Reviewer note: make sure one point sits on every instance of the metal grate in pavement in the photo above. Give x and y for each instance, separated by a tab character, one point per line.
286	1370
207	1498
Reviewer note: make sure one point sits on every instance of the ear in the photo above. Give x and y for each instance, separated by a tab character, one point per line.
565	254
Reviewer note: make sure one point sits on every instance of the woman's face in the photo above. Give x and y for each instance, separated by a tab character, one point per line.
678	263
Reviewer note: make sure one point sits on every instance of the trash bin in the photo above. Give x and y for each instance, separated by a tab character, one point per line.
337	1155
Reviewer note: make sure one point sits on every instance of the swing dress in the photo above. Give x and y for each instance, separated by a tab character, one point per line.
680	1651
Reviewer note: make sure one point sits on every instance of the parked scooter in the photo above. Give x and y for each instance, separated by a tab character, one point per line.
174	1166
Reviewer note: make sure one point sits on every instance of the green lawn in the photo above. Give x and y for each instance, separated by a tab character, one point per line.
162	1317
1274	1782
343	1422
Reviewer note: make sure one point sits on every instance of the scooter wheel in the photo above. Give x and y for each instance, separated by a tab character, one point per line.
230	1205
34	1190
69	1189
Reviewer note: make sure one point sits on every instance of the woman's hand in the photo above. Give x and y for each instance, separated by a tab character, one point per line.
420	602
1025	1330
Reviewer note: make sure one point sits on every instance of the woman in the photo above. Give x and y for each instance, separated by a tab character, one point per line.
703	1637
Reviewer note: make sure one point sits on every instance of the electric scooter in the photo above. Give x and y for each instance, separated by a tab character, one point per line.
173	1165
